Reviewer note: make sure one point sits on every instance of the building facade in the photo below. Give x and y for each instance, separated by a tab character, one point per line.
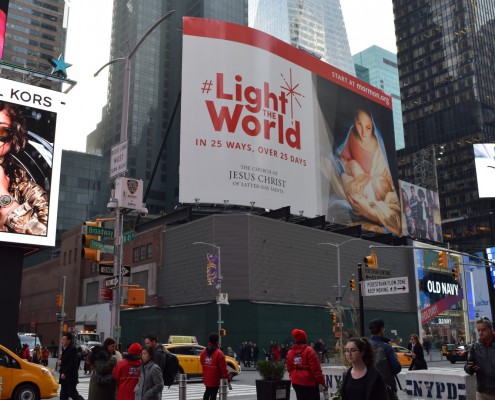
380	70
34	35
154	90
445	60
315	26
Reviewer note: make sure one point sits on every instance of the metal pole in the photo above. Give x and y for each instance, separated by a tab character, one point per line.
116	273
223	390
62	312
219	305
361	303
339	303
182	387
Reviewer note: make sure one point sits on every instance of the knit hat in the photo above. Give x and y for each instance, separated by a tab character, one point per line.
135	349
299	335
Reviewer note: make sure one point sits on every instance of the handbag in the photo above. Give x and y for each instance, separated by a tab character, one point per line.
103	379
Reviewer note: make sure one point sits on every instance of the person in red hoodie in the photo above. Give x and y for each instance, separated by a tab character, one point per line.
214	367
127	371
25	353
304	368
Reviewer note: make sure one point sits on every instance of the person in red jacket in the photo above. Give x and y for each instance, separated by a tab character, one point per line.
127	371
25	353
214	367
304	368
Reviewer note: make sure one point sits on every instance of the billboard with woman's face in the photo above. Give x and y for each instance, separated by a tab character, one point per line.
268	125
29	163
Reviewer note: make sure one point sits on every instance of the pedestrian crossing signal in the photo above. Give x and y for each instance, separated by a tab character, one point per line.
352	284
223	332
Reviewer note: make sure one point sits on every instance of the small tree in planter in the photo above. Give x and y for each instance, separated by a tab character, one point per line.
272	386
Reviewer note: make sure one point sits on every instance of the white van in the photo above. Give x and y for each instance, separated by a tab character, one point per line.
31	339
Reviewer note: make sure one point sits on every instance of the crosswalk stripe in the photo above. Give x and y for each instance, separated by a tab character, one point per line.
195	391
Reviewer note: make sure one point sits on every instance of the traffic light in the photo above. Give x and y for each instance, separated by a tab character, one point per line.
223	332
59	300
136	296
352	283
334	318
88	253
455	272
442	260
371	261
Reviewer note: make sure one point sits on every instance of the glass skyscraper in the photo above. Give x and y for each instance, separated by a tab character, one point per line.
34	35
315	26
381	72
154	89
445	58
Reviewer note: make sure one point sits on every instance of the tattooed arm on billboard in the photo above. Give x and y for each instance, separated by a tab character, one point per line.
23	203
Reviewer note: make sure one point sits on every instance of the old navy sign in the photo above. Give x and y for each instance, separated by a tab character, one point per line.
449	289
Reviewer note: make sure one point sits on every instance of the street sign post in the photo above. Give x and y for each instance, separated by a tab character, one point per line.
102	246
97	231
386	286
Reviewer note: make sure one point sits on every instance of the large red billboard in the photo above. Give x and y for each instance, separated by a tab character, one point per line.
29	163
266	124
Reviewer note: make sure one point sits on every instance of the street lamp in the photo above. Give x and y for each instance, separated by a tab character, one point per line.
119	217
219	287
339	287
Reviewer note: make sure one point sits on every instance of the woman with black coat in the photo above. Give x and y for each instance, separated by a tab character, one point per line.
103	360
417	354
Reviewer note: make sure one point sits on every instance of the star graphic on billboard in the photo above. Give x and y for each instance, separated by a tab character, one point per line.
290	88
60	66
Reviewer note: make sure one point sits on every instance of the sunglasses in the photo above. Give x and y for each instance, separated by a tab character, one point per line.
5	134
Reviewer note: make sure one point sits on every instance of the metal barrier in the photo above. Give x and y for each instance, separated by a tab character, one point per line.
223	390
182	387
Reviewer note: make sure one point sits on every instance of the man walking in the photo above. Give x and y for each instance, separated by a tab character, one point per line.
481	360
69	369
214	367
386	361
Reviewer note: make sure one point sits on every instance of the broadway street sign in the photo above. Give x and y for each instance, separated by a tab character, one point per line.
97	231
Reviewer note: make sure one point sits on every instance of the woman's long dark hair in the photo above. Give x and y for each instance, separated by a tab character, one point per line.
365	347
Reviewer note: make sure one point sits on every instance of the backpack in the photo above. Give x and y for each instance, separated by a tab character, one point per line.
382	365
171	368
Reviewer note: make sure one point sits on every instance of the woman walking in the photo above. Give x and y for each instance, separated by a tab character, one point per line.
127	372
362	381
150	383
417	354
103	361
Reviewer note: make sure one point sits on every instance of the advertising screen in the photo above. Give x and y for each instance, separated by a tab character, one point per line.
484	159
29	163
420	212
268	125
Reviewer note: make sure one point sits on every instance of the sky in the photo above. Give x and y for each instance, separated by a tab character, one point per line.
88	48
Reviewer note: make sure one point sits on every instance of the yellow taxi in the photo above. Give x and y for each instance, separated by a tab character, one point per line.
402	355
23	380
188	355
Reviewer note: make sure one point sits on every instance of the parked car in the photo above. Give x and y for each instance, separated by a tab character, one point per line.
22	379
460	353
402	355
188	355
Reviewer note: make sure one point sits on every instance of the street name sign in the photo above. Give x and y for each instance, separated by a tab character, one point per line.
102	246
376	273
97	231
112	282
380	287
129	236
105	270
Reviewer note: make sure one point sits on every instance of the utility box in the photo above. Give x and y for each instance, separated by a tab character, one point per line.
136	296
